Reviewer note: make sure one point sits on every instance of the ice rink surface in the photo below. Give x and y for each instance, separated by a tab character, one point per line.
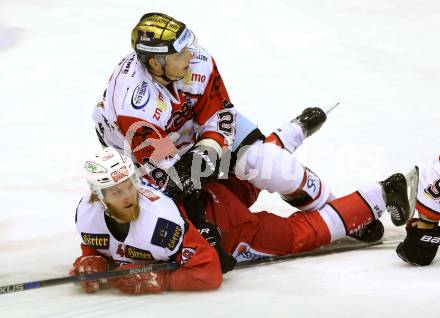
380	58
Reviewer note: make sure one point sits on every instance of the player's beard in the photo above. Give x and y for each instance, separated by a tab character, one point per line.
127	215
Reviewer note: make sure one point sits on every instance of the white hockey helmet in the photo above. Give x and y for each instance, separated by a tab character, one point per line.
108	168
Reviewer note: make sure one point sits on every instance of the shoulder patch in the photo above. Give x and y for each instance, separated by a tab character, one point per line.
166	234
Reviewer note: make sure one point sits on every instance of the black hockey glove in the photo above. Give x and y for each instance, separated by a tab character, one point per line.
420	245
212	235
195	168
311	119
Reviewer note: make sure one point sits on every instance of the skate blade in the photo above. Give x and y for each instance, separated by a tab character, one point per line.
412	181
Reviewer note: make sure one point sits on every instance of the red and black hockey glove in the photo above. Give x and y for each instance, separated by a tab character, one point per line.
194	169
420	245
212	235
88	265
140	284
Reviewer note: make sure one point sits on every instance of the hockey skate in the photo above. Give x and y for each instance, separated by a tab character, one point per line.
399	193
372	232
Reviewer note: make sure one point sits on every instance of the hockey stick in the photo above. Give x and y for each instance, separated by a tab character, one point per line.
316	252
329	110
172	266
158	267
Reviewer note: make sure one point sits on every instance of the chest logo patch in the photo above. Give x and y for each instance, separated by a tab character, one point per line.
98	241
141	96
137	253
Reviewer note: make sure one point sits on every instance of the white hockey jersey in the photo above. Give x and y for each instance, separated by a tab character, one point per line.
428	196
157	234
136	108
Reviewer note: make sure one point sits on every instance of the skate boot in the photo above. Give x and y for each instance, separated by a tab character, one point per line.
310	120
372	232
396	198
290	135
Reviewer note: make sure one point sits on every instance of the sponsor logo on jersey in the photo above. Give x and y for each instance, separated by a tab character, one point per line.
200	57
187	254
98	241
195	77
137	253
190	77
128	64
141	96
166	234
187	78
119	174
161	107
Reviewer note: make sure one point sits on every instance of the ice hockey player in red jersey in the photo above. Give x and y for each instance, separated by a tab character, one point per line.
124	222
423	234
167	107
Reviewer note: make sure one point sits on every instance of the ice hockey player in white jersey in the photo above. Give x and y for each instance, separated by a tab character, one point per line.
123	223
167	107
423	234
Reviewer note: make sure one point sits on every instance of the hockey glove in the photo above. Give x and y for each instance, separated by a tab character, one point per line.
420	245
194	169
140	284
310	120
88	265
212	235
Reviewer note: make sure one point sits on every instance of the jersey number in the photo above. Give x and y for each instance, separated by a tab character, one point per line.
433	190
120	250
225	122
180	116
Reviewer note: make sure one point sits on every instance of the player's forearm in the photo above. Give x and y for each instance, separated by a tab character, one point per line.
425	225
203	277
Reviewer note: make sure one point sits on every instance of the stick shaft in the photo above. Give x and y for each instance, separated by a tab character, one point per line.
89	277
316	252
173	266
329	110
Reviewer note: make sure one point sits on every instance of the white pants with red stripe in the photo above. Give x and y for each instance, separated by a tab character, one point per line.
268	166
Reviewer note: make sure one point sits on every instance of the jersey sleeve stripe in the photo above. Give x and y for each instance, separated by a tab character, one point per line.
427	212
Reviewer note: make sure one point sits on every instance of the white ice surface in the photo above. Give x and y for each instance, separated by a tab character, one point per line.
380	58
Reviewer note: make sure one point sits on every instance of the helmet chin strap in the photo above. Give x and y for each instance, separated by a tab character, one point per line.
166	78
106	209
164	75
